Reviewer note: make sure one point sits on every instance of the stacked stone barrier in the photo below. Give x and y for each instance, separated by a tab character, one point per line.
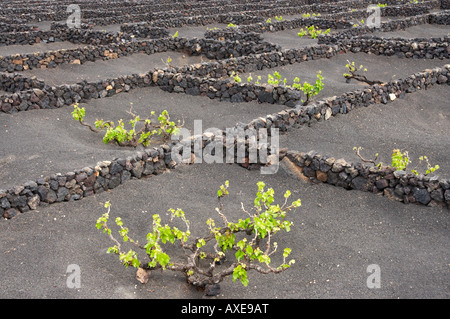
16	82
144	31
209	47
79	36
418	48
232	35
7	27
387	181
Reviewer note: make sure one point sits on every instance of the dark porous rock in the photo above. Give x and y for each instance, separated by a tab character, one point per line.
324	167
51	196
61	180
445	184
447	195
360	183
114	181
90	181
18	201
237	98
115	168
61	194
265	97
42	191
192	91
309	172
212	290
442	79
126	175
81	177
99	184
332	178
31	185
137	169
159	167
382	183
4	203
421	195
343	176
54	184
315	164
399	190
437	195
10	213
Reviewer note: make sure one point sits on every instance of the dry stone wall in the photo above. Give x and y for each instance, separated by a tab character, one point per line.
387	181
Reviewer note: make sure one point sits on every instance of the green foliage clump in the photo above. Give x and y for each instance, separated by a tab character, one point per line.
253	252
117	133
308	89
400	161
235	76
309	15
277	18
357	25
275	79
312	31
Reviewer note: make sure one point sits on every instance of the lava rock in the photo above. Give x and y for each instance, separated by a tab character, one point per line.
421	195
